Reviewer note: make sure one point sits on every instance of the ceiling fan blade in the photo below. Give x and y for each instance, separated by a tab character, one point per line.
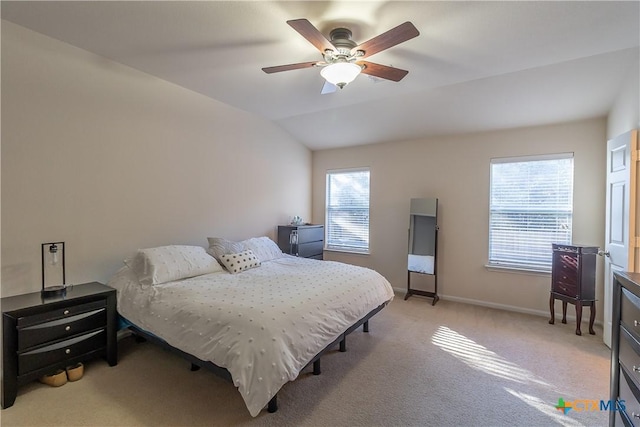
382	71
394	36
312	34
328	88
288	67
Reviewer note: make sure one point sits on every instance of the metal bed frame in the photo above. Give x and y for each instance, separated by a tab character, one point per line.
272	406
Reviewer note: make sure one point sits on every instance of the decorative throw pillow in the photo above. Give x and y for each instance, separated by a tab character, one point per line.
154	266
219	246
263	247
235	263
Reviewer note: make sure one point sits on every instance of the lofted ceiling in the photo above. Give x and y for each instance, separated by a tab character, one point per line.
475	66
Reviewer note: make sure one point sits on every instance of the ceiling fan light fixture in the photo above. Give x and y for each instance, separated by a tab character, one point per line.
341	73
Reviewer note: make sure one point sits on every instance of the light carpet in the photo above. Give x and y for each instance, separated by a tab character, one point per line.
420	365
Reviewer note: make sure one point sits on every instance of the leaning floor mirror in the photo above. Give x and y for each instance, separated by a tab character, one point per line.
423	249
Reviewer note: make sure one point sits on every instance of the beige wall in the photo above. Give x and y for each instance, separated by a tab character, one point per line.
625	113
455	169
109	159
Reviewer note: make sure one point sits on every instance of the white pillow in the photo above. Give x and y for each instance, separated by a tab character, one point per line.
263	247
235	263
219	246
167	263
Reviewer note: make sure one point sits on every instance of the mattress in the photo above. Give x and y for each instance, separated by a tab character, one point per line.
263	325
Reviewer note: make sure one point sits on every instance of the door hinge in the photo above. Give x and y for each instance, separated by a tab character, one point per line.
636	242
635	155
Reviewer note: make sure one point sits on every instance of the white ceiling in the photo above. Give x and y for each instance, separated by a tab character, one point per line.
475	66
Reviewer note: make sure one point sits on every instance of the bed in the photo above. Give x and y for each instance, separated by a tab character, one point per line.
262	318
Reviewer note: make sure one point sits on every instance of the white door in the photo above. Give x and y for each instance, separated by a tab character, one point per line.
620	216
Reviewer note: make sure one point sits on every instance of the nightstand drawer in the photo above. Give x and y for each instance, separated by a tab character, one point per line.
307	250
60	313
310	234
60	328
628	392
629	354
622	419
630	312
58	352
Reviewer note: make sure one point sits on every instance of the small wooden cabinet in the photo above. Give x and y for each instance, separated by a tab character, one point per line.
625	350
305	241
43	334
573	280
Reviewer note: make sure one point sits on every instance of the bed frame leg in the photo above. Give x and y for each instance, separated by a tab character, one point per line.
343	344
365	326
316	367
272	406
194	367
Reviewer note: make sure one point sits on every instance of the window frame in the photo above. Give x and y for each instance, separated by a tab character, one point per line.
328	245
523	265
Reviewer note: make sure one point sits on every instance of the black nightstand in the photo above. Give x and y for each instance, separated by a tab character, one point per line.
307	243
43	334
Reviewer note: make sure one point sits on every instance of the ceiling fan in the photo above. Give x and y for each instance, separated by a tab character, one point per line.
343	58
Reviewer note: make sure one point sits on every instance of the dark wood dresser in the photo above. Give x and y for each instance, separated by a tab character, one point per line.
573	280
625	350
44	334
305	241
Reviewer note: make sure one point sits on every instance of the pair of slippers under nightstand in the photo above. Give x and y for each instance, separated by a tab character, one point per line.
60	377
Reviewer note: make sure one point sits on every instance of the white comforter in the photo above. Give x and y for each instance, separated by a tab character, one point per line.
263	325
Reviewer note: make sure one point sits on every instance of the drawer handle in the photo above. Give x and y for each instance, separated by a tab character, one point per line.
636	323
636	368
68	328
634	415
68	351
65	312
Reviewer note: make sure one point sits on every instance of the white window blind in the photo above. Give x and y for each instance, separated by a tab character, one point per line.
531	207
347	210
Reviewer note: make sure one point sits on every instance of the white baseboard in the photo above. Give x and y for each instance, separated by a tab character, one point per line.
541	313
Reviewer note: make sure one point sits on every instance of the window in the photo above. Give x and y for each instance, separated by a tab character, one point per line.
347	214
531	207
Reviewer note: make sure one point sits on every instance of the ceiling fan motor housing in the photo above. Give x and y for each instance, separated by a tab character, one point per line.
341	39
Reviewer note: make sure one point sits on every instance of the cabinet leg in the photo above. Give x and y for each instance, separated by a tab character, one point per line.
592	317
564	312
552	310
578	317
9	392
112	331
9	361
